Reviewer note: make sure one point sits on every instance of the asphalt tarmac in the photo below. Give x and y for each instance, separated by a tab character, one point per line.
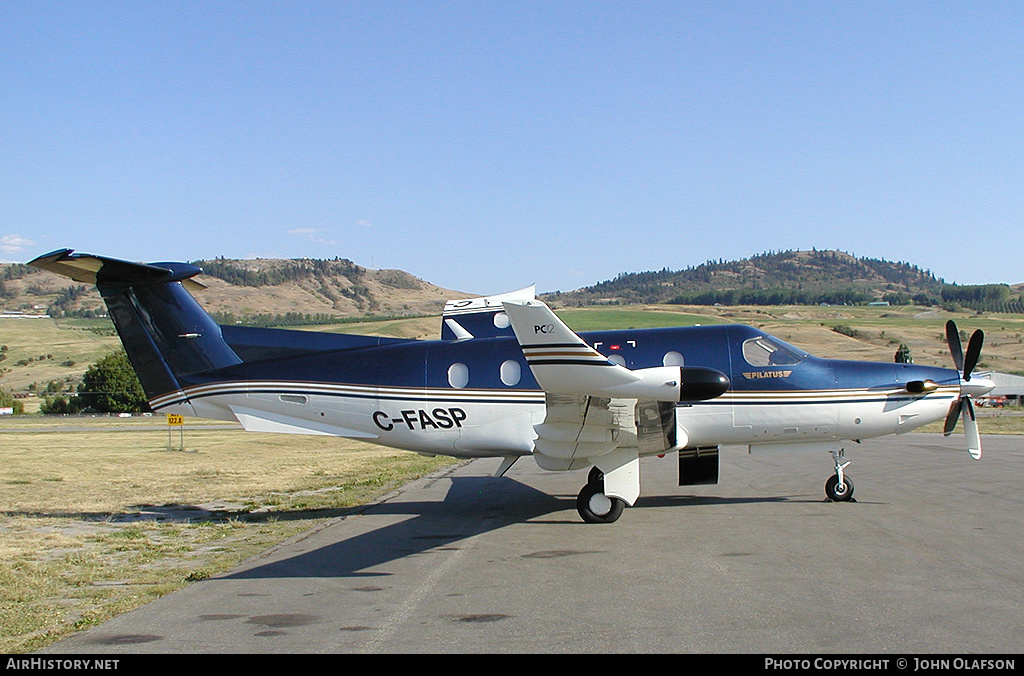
927	559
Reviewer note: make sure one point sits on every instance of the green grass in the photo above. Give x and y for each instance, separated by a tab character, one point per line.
600	319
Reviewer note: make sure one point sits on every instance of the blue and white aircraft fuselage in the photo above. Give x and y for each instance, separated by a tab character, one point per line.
509	379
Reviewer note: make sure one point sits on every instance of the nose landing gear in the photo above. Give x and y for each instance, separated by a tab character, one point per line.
839	488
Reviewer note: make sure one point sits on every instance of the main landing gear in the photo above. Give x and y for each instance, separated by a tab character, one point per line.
593	505
839	488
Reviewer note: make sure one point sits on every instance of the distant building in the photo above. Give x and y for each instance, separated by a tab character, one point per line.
1007	385
15	314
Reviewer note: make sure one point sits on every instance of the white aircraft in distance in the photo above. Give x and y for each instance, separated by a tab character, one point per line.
509	379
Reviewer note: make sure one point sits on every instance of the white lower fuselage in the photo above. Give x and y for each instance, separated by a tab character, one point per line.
481	423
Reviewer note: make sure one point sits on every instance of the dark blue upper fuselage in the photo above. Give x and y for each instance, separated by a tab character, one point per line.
753	360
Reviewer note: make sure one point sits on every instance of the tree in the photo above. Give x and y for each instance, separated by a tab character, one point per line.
903	355
111	386
8	401
60	405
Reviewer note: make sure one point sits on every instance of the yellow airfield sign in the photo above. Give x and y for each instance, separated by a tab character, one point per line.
178	421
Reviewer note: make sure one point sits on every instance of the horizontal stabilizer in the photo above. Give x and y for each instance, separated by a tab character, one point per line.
103	271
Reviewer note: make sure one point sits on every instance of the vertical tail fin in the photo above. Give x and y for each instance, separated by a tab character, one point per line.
166	333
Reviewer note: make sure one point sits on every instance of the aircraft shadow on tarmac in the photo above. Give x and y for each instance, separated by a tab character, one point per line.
472	506
682	501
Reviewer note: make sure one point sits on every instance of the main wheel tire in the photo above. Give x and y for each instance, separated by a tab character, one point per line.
838	492
596	507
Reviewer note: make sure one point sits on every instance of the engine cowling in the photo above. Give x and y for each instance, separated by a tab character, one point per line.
667	383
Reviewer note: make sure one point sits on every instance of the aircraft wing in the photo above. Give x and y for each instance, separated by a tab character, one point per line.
598	412
563	363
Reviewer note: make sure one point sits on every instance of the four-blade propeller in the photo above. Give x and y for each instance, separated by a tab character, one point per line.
963	407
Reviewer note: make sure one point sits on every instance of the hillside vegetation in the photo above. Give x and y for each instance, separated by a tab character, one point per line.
797	278
316	291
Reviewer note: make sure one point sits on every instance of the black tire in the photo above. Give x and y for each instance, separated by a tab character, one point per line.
595	507
837	492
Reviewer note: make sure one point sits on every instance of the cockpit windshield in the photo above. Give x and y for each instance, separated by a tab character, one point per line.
766	351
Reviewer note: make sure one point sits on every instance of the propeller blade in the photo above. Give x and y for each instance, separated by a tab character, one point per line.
973	352
951	417
955	348
971	430
963	407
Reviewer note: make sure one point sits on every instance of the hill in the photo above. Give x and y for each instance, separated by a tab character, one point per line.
307	291
292	291
50	355
795	278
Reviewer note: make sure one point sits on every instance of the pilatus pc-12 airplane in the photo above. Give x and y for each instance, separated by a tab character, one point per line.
509	379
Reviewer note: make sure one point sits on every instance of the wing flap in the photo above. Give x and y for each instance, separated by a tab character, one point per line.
580	427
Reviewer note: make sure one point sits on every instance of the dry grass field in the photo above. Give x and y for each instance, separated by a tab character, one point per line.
100	515
41	350
878	331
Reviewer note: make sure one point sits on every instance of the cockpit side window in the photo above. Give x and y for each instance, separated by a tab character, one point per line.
763	351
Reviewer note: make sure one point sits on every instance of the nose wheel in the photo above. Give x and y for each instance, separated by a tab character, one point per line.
839	488
838	491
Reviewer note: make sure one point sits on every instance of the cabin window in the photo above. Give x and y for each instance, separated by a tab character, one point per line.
458	375
295	398
763	351
511	372
672	359
501	320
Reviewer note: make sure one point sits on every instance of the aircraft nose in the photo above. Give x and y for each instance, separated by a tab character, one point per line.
976	386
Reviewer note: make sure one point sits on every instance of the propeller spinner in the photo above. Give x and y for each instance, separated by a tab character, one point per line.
963	407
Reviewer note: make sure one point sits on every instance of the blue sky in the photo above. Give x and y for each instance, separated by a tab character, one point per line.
488	145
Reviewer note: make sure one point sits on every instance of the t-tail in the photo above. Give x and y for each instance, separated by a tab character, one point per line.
165	332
